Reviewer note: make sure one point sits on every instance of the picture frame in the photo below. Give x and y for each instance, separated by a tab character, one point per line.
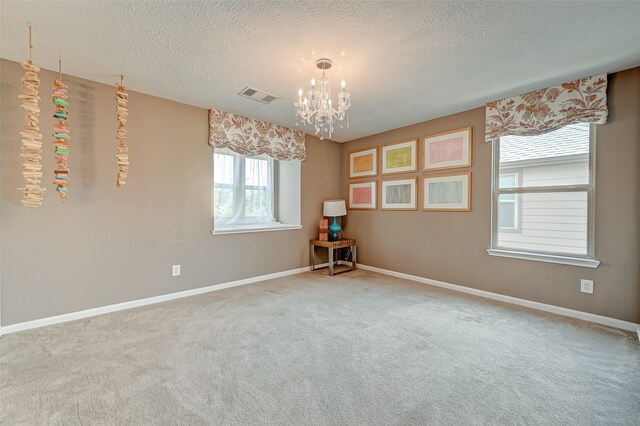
363	163
399	194
447	192
399	157
448	150
363	195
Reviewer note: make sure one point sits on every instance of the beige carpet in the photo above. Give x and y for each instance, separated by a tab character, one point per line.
355	349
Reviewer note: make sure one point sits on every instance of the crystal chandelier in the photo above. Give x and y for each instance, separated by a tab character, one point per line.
316	108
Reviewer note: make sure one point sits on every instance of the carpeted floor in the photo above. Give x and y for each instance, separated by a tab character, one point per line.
355	349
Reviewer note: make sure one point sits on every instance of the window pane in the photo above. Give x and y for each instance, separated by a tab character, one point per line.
556	158
550	222
507	181
506	212
256	173
223	168
256	203
222	202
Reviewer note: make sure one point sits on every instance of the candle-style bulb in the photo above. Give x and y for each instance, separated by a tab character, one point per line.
300	93
313	81
343	84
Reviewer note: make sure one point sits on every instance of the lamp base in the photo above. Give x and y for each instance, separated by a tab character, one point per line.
335	229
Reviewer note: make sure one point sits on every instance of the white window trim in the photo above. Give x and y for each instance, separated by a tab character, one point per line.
588	260
540	257
224	230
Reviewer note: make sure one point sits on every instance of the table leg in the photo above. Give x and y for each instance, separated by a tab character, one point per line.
312	256
353	260
331	261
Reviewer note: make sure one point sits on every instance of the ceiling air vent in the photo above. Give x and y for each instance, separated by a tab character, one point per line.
257	95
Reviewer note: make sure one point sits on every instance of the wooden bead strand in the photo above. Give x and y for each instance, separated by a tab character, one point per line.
60	100
121	135
31	150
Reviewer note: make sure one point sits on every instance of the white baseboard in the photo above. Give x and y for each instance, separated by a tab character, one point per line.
42	322
598	319
611	322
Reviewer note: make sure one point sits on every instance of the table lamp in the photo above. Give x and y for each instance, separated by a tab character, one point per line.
334	208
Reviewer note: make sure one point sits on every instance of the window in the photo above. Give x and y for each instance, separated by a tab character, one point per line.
543	194
243	189
254	193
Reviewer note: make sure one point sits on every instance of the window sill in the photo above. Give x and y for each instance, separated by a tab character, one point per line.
549	258
254	228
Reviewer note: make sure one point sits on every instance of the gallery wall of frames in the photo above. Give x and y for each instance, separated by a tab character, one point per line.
430	173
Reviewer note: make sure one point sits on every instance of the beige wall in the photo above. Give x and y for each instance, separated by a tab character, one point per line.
109	245
452	247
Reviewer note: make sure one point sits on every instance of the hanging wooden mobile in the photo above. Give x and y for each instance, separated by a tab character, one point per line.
31	150
122	153
60	100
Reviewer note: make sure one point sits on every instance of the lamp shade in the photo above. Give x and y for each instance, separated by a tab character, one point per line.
334	208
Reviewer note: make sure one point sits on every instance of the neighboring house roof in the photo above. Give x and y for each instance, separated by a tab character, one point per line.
569	140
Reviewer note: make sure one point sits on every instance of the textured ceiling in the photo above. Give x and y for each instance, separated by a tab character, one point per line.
404	62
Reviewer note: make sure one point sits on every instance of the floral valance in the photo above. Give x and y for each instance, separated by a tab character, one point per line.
544	110
248	136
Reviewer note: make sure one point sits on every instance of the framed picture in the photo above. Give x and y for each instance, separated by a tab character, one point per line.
448	150
363	163
400	157
362	196
399	194
447	193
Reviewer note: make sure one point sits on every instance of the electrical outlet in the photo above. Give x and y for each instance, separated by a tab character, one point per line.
586	286
175	270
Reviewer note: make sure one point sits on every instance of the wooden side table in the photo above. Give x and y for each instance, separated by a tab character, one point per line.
333	246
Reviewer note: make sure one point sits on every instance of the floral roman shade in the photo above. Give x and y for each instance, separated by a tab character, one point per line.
248	136
544	110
